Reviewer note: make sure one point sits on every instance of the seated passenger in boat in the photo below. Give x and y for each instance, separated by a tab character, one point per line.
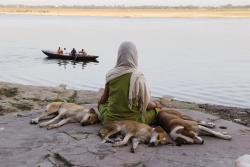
59	50
83	53
73	52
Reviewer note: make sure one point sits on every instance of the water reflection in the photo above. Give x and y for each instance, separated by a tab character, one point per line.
69	63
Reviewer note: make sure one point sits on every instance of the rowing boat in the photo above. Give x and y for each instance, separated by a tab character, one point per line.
68	56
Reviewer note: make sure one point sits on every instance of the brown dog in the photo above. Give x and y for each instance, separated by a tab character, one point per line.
184	129
137	132
65	113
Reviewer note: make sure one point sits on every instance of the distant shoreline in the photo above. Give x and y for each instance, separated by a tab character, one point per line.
132	12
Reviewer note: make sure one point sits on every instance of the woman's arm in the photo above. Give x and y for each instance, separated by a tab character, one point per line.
104	96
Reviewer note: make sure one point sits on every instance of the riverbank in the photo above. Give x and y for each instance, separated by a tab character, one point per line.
23	144
132	12
18	99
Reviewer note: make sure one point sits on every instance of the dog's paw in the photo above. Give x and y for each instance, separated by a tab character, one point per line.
103	141
211	124
41	125
107	141
50	127
34	121
117	144
207	124
227	137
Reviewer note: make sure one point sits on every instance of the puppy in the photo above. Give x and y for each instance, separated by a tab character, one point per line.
65	113
137	132
184	129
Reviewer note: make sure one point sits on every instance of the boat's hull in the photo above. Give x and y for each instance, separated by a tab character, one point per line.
52	55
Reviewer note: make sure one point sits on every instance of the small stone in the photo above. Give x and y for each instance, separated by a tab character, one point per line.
223	127
237	120
247	111
167	98
240	121
22	115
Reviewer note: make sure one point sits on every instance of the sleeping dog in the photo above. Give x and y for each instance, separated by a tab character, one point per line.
184	129
137	132
61	113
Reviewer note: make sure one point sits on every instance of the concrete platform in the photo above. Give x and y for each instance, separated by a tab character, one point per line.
25	145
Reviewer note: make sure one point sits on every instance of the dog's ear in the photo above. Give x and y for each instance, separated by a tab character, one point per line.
92	111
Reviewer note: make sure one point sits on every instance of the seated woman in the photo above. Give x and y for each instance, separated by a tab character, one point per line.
126	95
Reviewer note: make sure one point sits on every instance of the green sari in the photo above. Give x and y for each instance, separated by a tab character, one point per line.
116	107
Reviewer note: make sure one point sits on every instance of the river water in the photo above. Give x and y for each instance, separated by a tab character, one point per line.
200	60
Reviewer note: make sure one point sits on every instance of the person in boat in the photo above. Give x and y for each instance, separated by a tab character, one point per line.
59	50
83	53
73	52
126	95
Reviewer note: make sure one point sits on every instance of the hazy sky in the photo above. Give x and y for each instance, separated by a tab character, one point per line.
127	2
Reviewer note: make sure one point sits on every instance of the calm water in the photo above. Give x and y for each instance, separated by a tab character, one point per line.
201	60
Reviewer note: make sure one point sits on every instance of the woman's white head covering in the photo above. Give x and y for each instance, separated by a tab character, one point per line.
127	62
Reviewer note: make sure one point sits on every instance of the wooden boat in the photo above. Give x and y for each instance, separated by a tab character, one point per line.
67	56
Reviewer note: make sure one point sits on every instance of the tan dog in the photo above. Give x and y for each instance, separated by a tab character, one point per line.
65	113
137	132
184	129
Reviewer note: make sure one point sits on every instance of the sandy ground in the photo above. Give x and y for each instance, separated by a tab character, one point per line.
22	144
132	12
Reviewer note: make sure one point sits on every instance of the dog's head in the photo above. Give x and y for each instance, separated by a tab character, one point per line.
159	137
90	117
182	135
